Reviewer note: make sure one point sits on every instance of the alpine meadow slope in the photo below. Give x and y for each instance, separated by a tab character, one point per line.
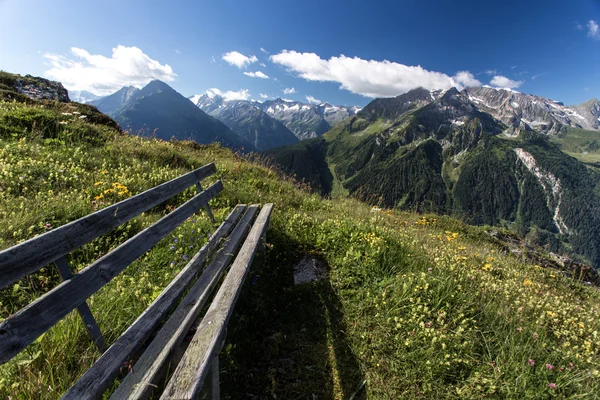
443	152
412	305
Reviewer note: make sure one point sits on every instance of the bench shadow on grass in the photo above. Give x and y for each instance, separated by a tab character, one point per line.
286	341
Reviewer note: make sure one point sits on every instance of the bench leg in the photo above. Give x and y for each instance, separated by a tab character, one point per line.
84	310
214	381
206	207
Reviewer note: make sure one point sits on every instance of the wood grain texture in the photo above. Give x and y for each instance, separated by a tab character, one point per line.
33	254
141	381
83	309
22	328
100	376
188	378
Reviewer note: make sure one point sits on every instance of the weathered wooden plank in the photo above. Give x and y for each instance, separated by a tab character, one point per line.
139	383
189	375
31	255
84	310
99	377
21	329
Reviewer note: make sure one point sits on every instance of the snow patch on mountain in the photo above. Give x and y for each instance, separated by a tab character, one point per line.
551	185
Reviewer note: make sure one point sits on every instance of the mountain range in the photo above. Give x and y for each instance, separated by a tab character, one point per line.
248	120
489	156
158	110
307	120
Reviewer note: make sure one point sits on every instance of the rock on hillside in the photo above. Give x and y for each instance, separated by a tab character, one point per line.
35	88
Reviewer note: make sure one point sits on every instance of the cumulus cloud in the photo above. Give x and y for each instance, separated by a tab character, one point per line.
593	29
369	78
238	59
242	94
289	91
105	75
504	82
466	79
312	100
257	74
264	96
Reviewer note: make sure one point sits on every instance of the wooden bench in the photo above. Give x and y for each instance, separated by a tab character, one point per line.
244	230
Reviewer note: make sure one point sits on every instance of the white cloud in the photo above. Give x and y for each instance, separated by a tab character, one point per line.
263	65
504	82
238	59
513	67
257	74
289	91
264	51
369	78
466	79
534	77
194	99
312	100
105	75
593	29
242	94
177	51
264	96
491	72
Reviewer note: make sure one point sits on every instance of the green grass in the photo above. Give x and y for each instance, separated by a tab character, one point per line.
413	306
582	144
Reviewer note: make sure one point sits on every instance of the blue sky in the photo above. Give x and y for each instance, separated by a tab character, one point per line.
343	52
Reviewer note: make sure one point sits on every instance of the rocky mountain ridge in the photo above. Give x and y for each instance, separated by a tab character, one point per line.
247	120
307	120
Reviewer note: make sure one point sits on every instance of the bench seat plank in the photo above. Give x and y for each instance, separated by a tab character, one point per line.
98	378
22	328
189	376
141	381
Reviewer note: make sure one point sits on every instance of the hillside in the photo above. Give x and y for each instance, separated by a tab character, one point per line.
412	305
446	154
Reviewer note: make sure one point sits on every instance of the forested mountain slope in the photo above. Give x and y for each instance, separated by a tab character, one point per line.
442	153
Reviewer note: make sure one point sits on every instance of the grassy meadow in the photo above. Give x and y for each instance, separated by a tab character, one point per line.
413	306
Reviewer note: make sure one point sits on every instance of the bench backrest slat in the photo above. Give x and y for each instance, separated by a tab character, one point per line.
99	377
33	254
156	356
21	329
189	375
